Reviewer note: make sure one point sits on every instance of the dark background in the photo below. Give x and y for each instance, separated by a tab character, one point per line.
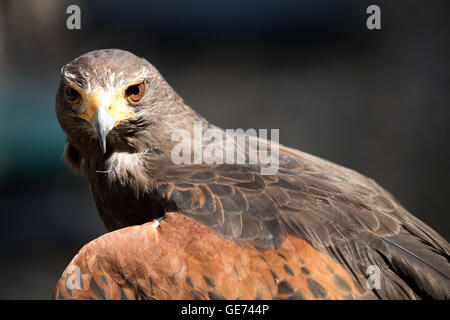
374	101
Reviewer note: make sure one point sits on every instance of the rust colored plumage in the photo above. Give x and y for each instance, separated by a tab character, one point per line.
181	259
311	230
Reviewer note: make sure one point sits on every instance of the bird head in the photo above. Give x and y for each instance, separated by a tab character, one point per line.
111	96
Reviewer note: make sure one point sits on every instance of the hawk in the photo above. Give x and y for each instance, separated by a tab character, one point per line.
212	230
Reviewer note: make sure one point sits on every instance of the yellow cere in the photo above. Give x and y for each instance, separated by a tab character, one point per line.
114	104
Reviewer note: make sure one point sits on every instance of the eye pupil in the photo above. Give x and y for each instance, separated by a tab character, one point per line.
134	93
133	90
71	94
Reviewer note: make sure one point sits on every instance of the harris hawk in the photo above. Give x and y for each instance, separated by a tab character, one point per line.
211	230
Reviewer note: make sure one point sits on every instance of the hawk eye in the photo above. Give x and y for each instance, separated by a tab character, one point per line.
135	92
72	95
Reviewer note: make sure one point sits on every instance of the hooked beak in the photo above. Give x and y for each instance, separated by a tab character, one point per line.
102	122
104	110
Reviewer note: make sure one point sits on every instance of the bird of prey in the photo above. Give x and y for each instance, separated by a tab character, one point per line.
211	230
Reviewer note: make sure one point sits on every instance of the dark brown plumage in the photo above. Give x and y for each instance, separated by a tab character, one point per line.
309	231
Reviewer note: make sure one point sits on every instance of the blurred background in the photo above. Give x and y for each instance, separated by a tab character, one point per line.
374	101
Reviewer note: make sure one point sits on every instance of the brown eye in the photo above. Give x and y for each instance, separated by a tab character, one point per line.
72	95
135	92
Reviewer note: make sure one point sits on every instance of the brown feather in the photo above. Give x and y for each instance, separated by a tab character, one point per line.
205	266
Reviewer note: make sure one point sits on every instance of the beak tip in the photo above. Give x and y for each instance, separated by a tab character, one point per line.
102	123
103	145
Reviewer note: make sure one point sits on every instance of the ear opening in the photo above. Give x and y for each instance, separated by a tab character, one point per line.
72	157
